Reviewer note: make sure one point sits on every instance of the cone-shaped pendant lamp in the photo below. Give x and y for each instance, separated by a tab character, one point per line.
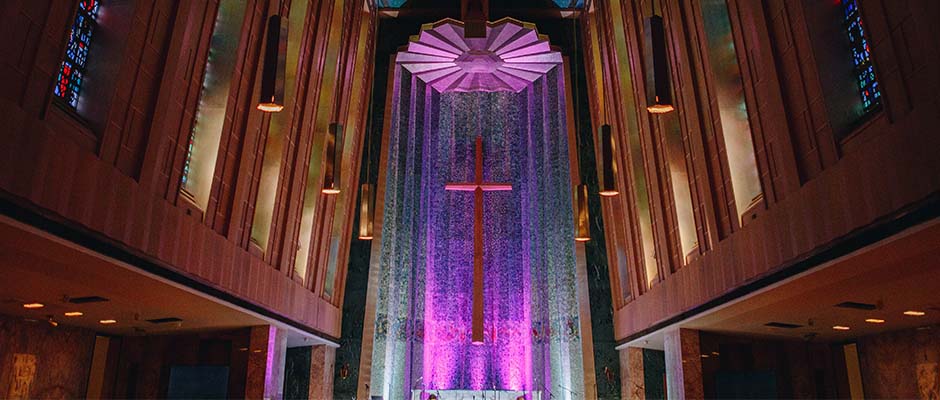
608	168
334	159
656	65
366	210
272	71
582	222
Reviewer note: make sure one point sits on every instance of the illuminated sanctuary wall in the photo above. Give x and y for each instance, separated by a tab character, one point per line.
422	338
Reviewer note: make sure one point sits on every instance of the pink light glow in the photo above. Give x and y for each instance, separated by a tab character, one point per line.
514	355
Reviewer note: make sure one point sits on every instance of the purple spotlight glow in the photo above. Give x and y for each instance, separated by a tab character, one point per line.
446	92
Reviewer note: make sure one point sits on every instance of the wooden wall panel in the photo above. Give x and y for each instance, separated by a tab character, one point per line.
818	190
128	192
131	114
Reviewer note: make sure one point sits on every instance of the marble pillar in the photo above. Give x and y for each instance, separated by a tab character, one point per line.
632	383
683	364
267	353
322	359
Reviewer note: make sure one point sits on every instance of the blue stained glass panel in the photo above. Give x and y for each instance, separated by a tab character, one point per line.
861	56
69	81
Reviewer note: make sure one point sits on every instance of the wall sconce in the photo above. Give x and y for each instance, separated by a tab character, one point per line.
582	222
366	210
608	168
334	159
656	65
272	71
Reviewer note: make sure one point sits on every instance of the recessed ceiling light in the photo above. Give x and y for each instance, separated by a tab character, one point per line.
875	320
74	314
841	328
107	321
33	305
913	313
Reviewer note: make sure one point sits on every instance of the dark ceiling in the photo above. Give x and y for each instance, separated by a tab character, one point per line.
498	8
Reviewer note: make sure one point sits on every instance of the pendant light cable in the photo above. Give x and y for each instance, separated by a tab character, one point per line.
369	134
574	101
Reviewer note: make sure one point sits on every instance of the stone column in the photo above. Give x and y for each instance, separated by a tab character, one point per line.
683	364
632	380
322	359
267	353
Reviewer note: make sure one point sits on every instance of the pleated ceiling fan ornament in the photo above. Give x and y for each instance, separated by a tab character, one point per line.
272	71
608	166
334	158
510	56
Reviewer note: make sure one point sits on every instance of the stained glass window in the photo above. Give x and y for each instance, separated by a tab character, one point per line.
72	71
861	55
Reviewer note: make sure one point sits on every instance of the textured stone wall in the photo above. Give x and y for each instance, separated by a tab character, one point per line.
62	358
297	373
903	364
606	368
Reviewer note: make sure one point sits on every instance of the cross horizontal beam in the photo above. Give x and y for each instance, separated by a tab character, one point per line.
470	186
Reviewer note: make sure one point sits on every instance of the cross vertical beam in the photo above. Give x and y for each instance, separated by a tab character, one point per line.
478	187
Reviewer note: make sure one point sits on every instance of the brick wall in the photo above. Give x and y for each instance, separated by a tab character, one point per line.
62	357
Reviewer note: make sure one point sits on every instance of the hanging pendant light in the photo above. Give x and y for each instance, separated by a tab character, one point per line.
580	200
366	210
656	65
367	190
272	71
582	223
608	168
334	157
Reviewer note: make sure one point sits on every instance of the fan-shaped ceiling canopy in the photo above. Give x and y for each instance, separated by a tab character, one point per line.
512	56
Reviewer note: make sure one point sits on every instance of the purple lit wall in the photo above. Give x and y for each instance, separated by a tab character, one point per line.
422	329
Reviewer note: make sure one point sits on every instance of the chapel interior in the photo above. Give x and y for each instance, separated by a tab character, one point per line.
470	199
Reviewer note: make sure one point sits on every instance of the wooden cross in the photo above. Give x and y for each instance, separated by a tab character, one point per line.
478	187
